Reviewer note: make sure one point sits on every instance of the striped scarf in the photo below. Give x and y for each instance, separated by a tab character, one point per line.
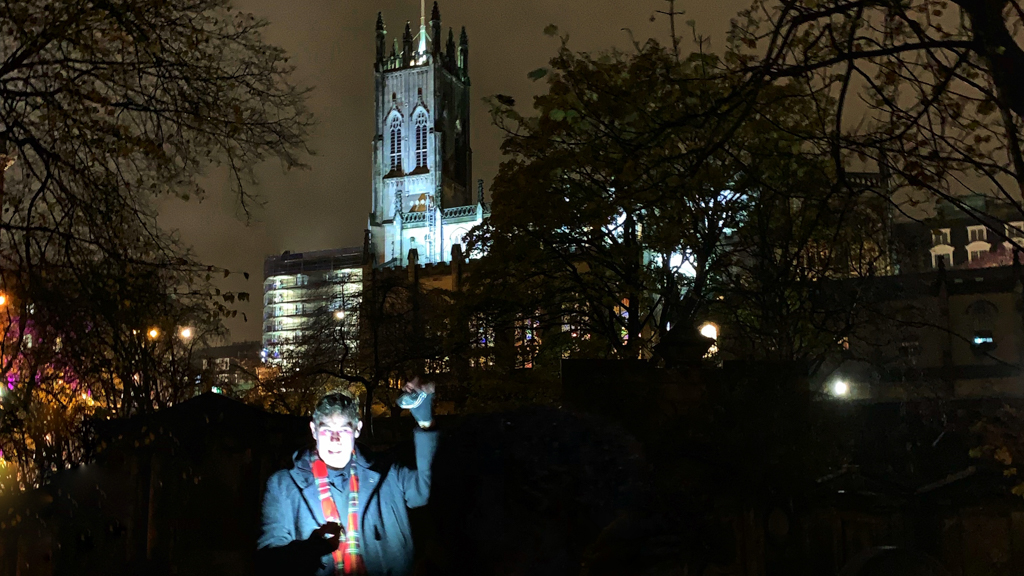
348	557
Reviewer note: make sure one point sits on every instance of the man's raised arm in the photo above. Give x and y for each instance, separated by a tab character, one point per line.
419	399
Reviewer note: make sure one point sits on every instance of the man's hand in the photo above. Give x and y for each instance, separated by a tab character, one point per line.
422	411
326	538
418	384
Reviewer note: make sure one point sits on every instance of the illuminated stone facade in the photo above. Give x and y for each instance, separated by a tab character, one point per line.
422	161
422	197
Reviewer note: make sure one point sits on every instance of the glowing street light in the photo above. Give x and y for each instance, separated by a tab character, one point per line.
840	388
185	333
3	299
339	315
153	333
709	330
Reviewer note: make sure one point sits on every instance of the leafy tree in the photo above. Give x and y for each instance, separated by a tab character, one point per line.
105	107
931	88
114	343
806	259
631	201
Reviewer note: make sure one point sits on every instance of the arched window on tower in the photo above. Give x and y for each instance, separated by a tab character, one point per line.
421	139
396	143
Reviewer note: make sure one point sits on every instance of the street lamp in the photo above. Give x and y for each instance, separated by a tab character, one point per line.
3	299
339	315
185	333
709	330
153	333
840	388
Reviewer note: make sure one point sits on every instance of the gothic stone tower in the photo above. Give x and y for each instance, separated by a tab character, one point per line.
422	162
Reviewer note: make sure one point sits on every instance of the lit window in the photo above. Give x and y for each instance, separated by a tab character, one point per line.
527	342
977	234
983	339
910	347
483	340
396	143
982	315
983	342
1015	230
438	365
977	254
940	236
421	140
945	259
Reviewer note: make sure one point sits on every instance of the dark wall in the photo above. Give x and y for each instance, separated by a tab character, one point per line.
179	493
174	493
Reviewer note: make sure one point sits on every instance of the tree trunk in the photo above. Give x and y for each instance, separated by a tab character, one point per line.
997	46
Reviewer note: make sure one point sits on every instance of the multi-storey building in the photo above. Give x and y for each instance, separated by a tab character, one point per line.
231	368
949	323
422	202
953	239
300	289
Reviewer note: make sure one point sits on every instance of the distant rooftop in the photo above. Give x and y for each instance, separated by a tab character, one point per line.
316	261
241	350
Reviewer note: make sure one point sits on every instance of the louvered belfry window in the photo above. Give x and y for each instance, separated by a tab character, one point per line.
396	143
421	140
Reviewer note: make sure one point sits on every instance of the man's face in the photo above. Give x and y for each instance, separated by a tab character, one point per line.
335	438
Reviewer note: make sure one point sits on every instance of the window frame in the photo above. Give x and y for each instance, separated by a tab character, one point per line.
944	251
980	230
1015	230
395	143
421	130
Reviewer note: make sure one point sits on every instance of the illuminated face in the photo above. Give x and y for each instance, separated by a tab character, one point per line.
335	437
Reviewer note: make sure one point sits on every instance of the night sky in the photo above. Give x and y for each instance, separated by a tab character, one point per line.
331	44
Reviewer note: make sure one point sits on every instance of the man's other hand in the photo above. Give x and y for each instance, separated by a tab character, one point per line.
326	538
423	411
419	384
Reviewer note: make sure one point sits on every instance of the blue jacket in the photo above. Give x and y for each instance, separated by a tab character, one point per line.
292	511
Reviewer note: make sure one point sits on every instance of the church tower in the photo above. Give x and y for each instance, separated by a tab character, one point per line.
422	162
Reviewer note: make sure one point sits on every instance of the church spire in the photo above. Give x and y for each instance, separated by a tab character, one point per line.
464	53
381	45
435	30
423	28
407	45
450	56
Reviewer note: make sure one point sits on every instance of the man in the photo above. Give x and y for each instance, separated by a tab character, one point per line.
337	510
